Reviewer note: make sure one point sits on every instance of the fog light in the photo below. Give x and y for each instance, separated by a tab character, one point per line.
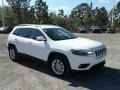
82	66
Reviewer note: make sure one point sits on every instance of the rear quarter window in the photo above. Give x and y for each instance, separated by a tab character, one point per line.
25	32
16	32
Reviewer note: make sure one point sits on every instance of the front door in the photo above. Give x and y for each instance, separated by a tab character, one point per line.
38	49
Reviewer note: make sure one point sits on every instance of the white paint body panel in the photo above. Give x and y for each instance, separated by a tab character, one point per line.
42	49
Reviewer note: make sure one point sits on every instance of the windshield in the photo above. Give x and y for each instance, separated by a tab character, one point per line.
59	34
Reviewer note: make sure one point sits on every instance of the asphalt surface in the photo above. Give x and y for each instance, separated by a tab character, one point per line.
27	74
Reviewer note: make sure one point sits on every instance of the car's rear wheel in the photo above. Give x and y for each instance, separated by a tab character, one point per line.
59	66
13	54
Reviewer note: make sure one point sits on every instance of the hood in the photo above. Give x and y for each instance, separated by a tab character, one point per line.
79	43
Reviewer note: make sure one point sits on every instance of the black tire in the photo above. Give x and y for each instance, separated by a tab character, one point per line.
65	63
12	49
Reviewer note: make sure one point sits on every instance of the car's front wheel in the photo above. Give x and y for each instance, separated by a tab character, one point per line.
59	66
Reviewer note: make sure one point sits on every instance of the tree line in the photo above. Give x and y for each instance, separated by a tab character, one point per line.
84	15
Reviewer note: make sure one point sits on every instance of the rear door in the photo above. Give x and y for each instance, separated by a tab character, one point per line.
22	40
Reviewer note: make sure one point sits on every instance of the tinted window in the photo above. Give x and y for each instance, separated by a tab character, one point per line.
59	34
16	32
35	33
25	32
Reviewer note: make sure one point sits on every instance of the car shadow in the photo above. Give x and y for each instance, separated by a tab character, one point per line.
106	78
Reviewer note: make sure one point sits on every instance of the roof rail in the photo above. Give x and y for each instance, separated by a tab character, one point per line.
26	24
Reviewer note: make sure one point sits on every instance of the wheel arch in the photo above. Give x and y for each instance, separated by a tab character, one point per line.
53	54
11	45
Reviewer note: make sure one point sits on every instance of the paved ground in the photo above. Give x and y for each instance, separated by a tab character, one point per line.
27	74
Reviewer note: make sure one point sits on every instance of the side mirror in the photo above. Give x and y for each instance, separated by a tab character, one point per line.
40	38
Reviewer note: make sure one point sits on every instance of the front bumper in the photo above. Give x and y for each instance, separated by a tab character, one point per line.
101	64
84	62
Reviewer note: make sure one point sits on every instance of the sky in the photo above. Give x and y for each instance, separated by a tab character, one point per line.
68	5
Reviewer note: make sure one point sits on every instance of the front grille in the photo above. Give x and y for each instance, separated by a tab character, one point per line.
100	53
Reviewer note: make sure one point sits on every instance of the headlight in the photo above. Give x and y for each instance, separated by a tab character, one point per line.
81	52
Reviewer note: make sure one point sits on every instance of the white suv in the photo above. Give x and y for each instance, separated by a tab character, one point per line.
60	48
